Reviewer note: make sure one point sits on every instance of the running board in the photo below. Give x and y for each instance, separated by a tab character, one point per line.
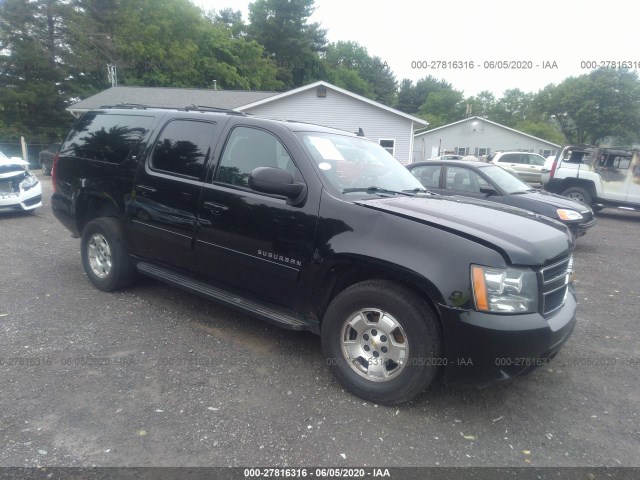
280	317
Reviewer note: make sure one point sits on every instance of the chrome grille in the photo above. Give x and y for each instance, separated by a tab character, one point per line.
555	282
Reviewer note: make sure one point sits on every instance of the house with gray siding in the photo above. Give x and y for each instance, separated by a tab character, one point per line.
476	136
321	103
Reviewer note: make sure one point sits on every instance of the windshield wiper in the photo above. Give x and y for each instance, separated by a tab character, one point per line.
378	190
420	190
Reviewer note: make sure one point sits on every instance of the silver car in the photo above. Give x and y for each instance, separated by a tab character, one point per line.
527	165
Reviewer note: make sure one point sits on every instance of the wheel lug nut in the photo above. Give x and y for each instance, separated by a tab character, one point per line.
384	349
383	338
365	337
376	354
374	332
366	348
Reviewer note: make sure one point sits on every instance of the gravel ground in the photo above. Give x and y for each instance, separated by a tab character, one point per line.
153	376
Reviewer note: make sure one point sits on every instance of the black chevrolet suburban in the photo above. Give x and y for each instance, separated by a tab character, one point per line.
312	228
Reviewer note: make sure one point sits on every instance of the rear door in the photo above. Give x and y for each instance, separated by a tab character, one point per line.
164	202
254	242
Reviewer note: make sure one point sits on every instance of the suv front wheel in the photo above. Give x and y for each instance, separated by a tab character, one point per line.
579	194
382	342
104	255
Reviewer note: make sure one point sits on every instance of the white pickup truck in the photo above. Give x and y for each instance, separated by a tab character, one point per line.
598	177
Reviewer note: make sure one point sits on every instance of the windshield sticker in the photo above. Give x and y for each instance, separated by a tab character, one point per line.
326	148
324	166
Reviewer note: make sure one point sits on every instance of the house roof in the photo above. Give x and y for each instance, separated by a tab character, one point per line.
170	97
337	89
242	100
486	121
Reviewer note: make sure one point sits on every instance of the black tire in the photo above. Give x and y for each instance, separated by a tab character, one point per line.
418	333
579	194
105	256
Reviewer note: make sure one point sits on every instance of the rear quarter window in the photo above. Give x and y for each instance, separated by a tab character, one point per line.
106	138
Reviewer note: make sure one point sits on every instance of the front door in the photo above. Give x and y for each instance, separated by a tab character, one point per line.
251	241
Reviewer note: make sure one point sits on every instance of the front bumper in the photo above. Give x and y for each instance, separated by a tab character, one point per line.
21	201
482	348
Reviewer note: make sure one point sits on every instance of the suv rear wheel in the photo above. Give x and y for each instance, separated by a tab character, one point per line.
104	255
579	194
382	342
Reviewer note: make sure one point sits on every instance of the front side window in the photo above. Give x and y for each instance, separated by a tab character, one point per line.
182	147
249	148
535	160
462	180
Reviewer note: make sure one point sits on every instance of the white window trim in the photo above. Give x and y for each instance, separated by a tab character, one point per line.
388	140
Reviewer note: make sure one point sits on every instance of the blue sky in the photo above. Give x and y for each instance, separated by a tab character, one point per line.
518	34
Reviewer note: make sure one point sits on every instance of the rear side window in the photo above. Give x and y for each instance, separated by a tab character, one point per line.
182	147
106	138
429	175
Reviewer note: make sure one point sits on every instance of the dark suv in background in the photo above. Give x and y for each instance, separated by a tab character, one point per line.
317	229
46	156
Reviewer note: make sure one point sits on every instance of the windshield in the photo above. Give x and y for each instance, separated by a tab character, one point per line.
505	180
357	165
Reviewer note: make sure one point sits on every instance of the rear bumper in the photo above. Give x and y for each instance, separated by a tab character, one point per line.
483	348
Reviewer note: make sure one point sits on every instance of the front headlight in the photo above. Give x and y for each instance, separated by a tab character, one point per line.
507	290
29	181
564	214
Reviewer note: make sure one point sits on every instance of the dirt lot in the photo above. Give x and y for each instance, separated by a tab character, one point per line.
155	376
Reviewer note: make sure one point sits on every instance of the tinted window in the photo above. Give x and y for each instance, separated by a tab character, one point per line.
250	148
182	147
106	138
428	175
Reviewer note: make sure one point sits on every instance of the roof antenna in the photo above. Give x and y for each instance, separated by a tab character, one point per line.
360	132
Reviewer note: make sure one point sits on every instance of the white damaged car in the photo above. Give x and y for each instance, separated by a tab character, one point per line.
20	190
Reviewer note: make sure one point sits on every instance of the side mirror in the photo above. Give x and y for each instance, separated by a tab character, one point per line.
488	191
277	181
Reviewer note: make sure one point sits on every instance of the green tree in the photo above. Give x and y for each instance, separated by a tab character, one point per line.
32	80
442	107
412	97
282	28
602	104
350	66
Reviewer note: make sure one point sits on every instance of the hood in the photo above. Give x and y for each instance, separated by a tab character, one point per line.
523	237
10	167
5	161
553	200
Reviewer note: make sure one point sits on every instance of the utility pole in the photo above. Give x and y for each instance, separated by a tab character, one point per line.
112	75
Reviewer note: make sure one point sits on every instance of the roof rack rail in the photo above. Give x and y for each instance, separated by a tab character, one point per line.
127	105
204	108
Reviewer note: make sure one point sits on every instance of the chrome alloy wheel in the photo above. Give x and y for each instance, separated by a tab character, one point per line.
99	254
374	344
